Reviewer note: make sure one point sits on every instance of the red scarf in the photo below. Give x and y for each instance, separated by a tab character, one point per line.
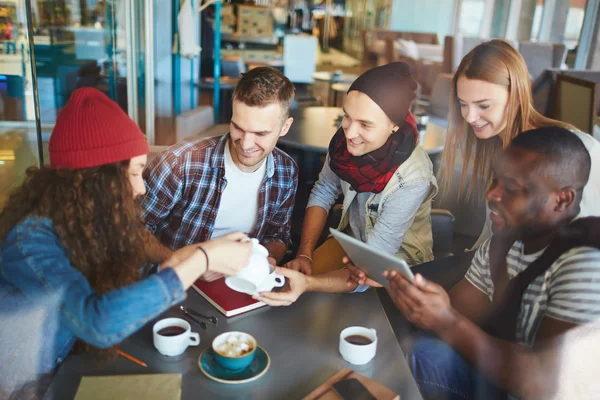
372	171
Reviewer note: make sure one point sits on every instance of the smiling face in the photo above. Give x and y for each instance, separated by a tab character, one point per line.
365	125
523	201
254	132
483	106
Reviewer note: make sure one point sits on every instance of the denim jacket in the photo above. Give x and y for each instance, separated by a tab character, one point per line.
46	304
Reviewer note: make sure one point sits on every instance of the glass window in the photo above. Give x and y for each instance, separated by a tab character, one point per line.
537	20
18	138
472	14
574	23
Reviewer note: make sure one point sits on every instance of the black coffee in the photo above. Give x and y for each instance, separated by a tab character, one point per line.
171	331
358	340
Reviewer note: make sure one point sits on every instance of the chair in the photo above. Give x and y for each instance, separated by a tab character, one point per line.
442	228
374	46
423	71
439	100
540	56
455	48
575	102
543	92
588	75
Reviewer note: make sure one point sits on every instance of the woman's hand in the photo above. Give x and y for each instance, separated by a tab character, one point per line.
225	255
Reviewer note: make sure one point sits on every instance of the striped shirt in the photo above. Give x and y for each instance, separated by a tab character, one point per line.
184	187
568	291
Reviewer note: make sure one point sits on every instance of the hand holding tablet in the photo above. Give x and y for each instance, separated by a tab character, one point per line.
371	261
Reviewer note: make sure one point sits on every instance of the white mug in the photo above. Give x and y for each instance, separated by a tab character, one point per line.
176	344
258	275
354	353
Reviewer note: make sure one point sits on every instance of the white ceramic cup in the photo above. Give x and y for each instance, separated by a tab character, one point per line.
174	345
354	353
257	276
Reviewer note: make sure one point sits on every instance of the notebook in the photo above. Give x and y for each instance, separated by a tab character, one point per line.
325	392
226	300
147	387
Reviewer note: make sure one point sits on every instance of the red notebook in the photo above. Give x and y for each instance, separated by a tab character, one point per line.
224	299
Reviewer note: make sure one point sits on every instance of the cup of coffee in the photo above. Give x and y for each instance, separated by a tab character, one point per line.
257	276
172	336
234	351
358	345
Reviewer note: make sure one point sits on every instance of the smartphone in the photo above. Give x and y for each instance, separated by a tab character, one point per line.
352	389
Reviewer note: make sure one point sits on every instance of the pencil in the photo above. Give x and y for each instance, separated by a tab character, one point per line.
131	358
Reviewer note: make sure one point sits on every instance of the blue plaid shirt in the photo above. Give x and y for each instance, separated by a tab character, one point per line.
184	186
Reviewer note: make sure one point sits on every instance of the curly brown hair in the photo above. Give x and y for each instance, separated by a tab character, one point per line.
95	215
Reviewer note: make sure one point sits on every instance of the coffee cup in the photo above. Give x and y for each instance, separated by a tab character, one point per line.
171	336
358	345
234	351
257	276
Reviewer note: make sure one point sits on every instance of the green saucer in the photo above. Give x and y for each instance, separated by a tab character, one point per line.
209	367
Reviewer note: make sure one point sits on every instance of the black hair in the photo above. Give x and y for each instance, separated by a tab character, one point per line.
564	154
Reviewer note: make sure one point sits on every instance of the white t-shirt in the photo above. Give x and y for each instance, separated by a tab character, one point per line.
568	291
238	210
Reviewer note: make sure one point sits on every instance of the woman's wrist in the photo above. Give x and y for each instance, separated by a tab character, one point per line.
207	266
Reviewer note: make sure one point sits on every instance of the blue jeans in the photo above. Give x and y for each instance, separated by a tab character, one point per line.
441	373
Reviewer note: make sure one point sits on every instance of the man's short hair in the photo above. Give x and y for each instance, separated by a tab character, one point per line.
564	154
262	86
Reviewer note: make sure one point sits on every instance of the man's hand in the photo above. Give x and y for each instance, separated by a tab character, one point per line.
297	283
272	261
425	303
357	276
302	264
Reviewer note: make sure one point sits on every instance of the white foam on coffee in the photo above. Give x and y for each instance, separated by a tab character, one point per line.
234	346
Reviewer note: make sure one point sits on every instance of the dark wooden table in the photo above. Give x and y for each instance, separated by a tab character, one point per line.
302	341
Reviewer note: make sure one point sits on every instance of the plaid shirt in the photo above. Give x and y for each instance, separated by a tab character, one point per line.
184	186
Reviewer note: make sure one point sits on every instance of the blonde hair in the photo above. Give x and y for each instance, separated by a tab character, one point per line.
495	61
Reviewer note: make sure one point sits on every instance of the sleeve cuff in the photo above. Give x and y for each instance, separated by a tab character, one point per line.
315	201
361	289
175	290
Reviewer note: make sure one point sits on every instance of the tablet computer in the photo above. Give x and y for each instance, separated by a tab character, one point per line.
372	261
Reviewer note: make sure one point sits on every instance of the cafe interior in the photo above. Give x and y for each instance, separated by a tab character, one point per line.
173	66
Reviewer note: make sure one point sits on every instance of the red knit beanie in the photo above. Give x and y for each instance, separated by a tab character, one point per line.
92	130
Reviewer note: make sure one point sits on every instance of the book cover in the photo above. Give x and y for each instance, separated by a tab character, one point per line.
148	387
226	300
